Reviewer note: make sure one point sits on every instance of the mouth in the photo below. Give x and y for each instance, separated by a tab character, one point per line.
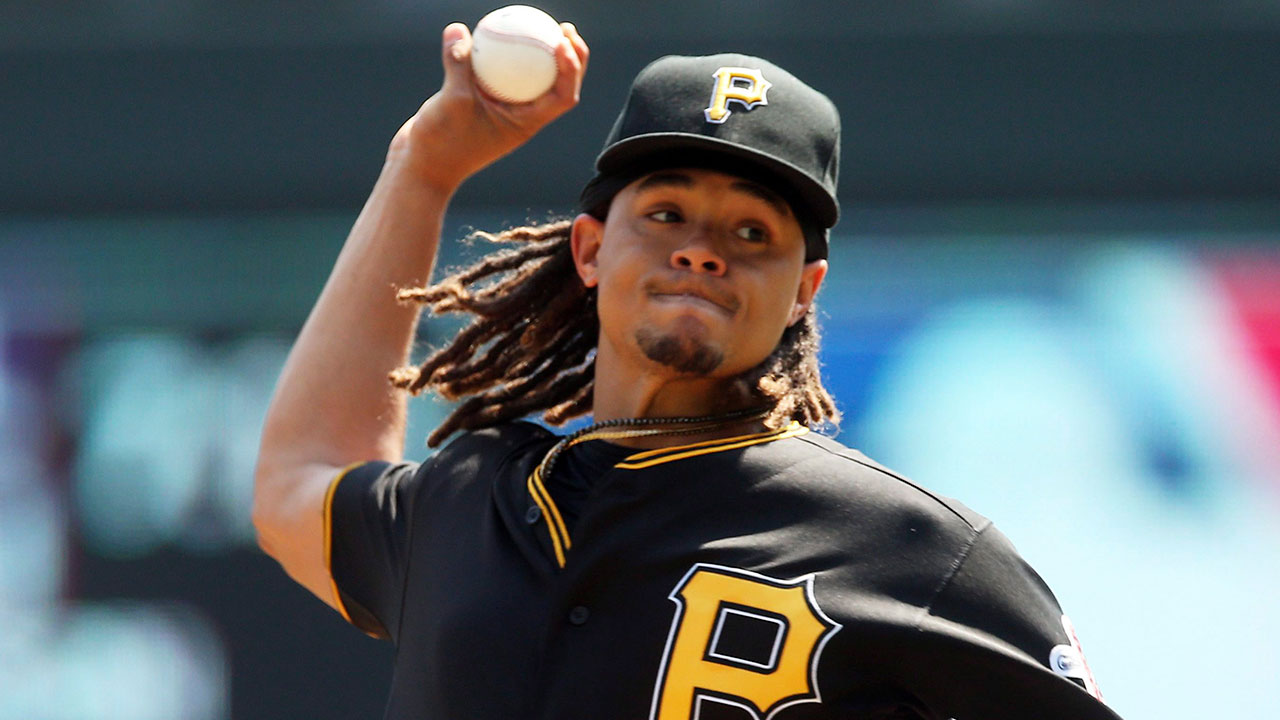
695	297
690	299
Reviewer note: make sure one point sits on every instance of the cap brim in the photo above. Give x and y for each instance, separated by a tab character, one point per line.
670	148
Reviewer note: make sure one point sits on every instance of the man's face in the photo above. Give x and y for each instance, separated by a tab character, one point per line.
698	272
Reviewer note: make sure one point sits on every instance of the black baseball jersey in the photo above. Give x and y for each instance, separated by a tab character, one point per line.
777	575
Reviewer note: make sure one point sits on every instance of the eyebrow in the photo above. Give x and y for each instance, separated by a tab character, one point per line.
764	194
672	178
665	179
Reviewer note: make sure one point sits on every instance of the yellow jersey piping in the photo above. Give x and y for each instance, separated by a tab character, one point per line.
328	539
560	540
555	523
649	458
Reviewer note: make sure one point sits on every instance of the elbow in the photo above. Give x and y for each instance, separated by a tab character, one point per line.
261	530
265	509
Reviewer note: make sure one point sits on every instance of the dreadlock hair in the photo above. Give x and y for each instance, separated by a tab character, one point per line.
531	344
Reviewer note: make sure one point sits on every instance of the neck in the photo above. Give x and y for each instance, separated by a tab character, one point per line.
622	391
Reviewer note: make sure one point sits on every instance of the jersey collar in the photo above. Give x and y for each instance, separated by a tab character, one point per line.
554	528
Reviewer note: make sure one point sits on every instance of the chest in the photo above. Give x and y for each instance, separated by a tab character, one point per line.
672	593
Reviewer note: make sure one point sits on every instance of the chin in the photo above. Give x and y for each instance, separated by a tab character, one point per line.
685	353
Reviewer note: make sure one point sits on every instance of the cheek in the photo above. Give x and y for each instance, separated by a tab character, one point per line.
619	275
610	305
770	308
616	272
774	289
627	257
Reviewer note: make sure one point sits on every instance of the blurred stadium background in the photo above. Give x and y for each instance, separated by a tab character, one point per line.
1056	295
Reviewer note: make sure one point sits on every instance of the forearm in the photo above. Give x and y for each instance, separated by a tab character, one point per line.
333	404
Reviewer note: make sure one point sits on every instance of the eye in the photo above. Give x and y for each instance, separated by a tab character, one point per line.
752	234
665	216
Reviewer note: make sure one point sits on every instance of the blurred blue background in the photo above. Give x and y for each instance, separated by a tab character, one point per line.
1055	295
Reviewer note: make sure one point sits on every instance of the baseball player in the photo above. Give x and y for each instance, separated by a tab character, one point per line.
697	552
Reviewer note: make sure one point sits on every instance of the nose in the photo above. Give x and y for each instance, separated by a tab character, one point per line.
698	257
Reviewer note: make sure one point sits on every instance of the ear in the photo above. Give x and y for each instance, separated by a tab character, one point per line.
585	238
811	276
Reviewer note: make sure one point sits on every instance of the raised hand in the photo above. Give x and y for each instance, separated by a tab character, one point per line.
461	129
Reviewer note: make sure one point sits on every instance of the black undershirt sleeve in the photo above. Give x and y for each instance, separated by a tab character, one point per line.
368	514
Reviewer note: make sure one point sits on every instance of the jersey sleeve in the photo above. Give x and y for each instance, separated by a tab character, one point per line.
368	515
1001	647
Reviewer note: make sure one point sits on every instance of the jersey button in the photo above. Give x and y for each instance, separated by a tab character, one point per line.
579	615
532	515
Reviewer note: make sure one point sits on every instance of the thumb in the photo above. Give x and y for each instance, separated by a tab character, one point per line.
456	53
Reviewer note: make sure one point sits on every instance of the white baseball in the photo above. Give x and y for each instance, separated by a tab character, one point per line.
513	53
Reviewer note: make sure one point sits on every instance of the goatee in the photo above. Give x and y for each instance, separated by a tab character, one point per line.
684	355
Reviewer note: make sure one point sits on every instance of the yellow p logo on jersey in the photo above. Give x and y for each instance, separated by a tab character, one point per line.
745	85
741	639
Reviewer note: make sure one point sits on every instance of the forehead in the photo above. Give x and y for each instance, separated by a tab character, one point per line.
695	178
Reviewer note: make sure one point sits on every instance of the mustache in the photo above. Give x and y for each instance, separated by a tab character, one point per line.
692	286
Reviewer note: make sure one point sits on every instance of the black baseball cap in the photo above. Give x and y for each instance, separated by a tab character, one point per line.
734	113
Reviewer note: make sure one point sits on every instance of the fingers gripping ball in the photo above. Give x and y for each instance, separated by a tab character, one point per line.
513	53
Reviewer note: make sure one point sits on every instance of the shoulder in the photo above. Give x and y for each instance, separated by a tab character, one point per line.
823	464
465	456
494	443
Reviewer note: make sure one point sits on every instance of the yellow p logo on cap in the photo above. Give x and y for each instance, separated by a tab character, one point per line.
745	85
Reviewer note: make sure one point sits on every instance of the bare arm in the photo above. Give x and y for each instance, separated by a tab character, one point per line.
333	405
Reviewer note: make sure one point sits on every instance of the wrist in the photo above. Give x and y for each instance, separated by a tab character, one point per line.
423	162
